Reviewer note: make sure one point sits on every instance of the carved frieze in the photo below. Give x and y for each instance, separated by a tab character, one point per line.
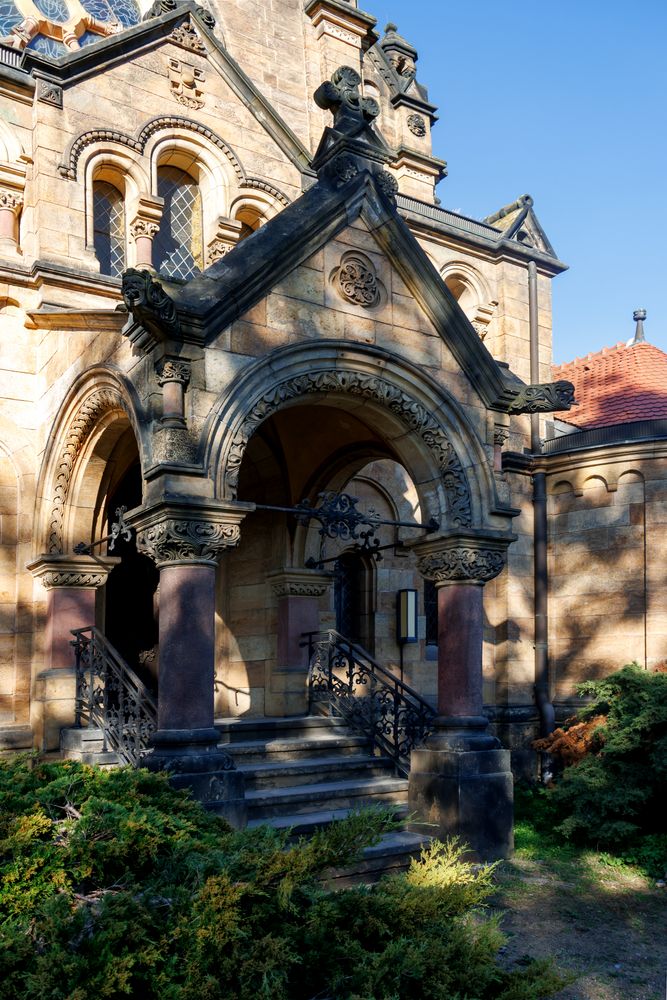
172	540
413	414
83	572
462	564
356	280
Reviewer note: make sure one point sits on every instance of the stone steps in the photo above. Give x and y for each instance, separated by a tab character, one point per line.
267	803
306	772
87	746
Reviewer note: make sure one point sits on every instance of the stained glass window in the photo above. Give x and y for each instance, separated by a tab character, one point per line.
109	228
47	46
54	10
9	16
125	11
177	247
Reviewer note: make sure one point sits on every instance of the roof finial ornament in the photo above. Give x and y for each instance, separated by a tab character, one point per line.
639	315
342	97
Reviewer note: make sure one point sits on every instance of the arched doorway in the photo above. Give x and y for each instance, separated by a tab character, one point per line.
353	599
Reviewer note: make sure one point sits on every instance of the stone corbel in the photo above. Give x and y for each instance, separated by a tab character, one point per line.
296	582
144	227
548	397
226	237
153	311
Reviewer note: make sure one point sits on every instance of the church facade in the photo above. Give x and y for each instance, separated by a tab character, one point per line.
227	303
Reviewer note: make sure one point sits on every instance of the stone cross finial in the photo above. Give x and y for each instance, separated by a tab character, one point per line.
342	97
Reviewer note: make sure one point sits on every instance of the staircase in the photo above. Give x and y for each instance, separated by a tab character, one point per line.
304	772
301	773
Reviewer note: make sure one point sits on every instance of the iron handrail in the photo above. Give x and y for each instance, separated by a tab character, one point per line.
370	699
111	696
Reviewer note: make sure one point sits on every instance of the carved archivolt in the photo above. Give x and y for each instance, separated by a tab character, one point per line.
99	402
138	144
413	414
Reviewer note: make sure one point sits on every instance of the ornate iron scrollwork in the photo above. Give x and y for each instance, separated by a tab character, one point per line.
111	696
370	699
119	529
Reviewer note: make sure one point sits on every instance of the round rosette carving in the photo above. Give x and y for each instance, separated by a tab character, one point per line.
357	281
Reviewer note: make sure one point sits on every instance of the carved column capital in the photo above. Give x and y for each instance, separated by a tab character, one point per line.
143	228
174	371
176	532
462	559
11	200
85	572
295	582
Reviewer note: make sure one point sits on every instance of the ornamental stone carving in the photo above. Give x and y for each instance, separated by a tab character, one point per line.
342	169
10	200
94	406
294	582
417	125
148	302
544	398
50	93
388	185
186	84
342	97
143	228
413	414
462	564
174	540
356	280
82	572
174	371
186	36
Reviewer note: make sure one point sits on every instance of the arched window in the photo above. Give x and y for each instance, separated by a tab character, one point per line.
178	246
109	228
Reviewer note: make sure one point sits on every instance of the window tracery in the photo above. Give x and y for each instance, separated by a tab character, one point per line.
178	245
52	27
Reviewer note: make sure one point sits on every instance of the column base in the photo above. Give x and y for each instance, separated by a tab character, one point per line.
467	793
194	761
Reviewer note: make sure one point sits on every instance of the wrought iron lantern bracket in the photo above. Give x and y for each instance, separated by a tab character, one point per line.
119	529
340	518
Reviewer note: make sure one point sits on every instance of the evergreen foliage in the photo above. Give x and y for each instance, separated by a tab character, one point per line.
613	796
115	885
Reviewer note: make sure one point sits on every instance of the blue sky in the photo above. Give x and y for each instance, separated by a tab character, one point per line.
567	102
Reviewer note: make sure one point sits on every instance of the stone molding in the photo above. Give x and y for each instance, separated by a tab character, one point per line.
83	572
294	582
99	402
50	93
461	559
172	533
413	414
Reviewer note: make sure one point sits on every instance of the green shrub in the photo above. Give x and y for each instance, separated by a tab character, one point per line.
613	798
115	885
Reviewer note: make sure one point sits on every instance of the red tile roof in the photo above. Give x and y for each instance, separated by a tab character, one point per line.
616	385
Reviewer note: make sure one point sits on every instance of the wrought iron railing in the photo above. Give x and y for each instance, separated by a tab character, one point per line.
109	695
367	696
